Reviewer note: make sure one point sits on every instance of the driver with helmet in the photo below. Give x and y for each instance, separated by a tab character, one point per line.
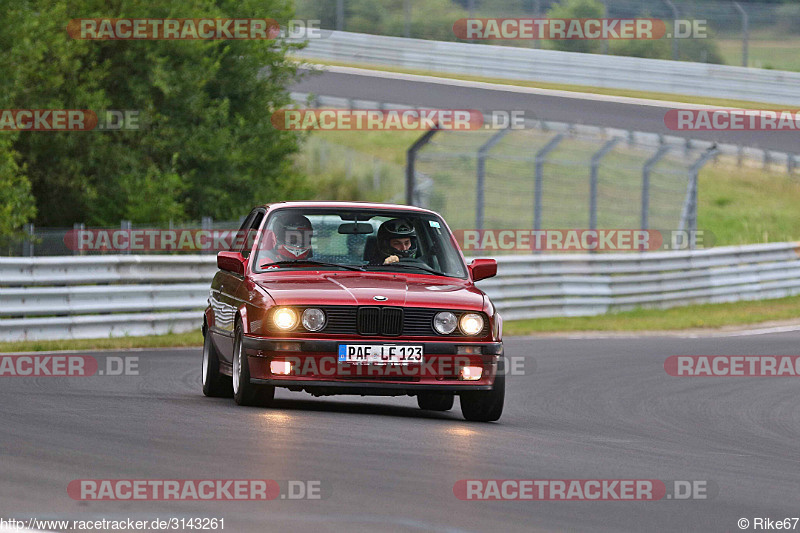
293	233
396	239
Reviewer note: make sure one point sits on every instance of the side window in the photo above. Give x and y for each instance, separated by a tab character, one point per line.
237	243
250	229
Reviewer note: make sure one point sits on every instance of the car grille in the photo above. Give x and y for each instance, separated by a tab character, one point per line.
386	321
380	320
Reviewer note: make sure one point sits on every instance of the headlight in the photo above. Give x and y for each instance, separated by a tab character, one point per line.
285	318
471	324
445	322
313	319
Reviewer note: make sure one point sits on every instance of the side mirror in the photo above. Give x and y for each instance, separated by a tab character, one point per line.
231	262
482	268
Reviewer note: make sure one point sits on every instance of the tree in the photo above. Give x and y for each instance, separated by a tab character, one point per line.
205	144
578	9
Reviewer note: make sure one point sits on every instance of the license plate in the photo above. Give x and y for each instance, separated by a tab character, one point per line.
380	353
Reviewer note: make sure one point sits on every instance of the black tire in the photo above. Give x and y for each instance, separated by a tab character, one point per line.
244	392
485	406
215	384
435	401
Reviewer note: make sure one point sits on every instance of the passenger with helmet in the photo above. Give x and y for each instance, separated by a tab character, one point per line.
396	239
293	233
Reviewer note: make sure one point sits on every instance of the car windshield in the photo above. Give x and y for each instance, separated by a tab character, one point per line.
362	239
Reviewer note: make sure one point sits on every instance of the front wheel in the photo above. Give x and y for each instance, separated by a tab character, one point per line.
485	406
215	384
244	392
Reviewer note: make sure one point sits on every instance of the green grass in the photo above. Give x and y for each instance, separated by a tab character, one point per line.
748	205
651	95
191	338
780	54
677	318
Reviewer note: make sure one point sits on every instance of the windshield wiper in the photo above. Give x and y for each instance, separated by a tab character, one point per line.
407	265
311	263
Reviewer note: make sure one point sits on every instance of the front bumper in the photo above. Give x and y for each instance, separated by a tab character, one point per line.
316	369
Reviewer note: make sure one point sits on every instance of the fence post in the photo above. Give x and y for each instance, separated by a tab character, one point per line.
540	159
340	15
745	31
481	175
689	212
595	165
675	16
411	157
27	244
407	18
126	225
206	224
648	166
77	228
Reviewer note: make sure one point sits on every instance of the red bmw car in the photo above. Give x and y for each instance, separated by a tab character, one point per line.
353	298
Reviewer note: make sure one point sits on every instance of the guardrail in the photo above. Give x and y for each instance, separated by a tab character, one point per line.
93	297
678	77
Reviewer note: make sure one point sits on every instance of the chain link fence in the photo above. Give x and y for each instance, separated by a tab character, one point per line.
556	176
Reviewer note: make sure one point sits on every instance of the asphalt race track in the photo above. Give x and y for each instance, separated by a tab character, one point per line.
577	110
584	409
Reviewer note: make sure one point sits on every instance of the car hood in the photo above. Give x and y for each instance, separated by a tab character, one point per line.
346	288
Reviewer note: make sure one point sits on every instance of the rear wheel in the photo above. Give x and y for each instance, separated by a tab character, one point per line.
435	401
485	406
215	384
244	392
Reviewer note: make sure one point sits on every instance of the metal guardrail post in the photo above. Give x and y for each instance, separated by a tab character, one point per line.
745	31
481	175
648	166
540	159
595	166
689	211
411	157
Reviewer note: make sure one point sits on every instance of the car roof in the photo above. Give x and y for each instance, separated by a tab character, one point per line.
348	205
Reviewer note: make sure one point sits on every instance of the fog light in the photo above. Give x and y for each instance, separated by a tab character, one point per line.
280	368
471	373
